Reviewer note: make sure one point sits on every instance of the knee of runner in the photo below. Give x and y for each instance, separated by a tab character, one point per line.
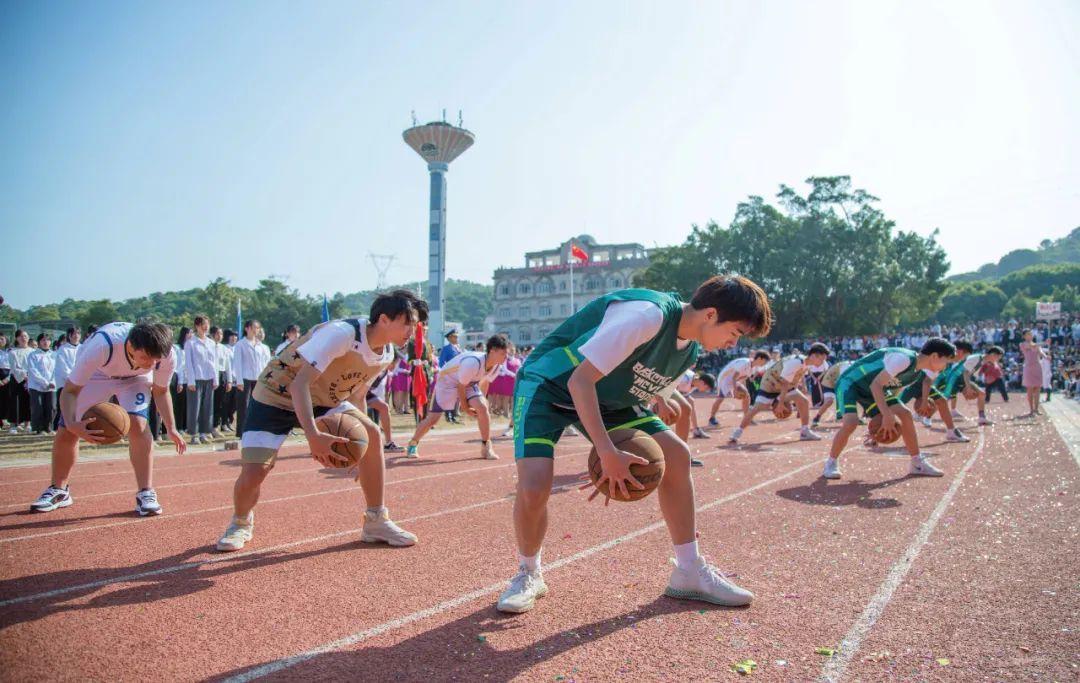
533	494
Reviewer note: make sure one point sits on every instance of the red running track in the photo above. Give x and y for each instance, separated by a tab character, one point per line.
969	577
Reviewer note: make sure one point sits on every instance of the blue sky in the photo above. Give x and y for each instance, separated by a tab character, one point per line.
155	146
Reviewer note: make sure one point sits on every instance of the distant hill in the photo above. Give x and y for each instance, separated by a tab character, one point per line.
1064	250
467	302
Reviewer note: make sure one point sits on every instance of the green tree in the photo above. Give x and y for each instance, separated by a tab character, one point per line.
969	301
100	313
1041	279
1020	306
47	312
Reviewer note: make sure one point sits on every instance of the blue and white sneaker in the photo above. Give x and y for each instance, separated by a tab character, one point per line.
714	422
51	499
146	503
412	451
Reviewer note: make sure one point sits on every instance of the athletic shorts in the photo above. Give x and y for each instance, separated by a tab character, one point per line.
445	397
914	391
266	427
849	395
131	393
539	422
766	397
729	388
827	393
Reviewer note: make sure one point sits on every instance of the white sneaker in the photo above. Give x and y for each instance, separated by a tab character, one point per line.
807	435
927	422
956	436
146	503
984	421
705	582
237	534
699	433
571	430
412	451
832	469
520	596
51	499
957	415
509	433
487	452
378	528
735	435
920	467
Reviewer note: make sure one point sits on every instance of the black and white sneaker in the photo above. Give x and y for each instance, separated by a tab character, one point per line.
146	503
51	499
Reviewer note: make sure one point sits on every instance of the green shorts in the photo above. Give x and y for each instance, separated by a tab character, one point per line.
914	391
539	422
849	395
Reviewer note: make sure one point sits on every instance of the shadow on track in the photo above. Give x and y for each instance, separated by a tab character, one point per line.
859	493
464	649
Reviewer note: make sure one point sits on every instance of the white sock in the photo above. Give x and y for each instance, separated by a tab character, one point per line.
831	461
247	520
375	512
687	555
532	563
806	429
736	433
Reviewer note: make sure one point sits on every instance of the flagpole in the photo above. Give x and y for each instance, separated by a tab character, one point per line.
571	278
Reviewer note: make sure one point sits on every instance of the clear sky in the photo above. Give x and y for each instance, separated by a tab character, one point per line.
148	146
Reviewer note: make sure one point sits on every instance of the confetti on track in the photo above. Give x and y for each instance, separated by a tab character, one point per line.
991	594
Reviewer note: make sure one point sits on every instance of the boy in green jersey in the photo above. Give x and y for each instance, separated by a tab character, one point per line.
875	382
598	370
957	378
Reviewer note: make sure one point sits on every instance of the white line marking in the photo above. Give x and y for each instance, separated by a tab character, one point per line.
281	664
1066	419
834	669
162	518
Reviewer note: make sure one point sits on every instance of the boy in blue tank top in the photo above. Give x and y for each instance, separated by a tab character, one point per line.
598	370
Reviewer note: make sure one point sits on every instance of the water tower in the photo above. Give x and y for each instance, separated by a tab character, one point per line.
438	143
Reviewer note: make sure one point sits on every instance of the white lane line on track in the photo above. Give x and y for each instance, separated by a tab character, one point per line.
128	491
282	664
162	518
833	670
218	558
1066	419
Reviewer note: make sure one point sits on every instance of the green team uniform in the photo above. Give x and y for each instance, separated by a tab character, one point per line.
853	386
543	407
950	382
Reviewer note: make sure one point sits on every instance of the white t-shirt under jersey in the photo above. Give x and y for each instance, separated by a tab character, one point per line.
467	368
103	356
626	326
738	369
894	363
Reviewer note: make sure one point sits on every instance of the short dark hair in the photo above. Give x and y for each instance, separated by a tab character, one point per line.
964	346
763	355
497	341
818	348
199	320
938	345
43	336
708	379
995	351
214	329
249	323
72	330
90	329
183	336
153	338
397	303
735	298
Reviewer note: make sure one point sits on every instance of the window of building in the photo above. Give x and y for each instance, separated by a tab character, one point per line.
504	313
544	310
524	335
562	286
615	282
524	288
524	312
601	255
593	283
564	309
543	332
545	287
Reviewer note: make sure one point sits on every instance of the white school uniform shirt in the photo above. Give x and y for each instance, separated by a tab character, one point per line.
200	360
104	357
5	359
246	361
19	358
223	359
65	361
39	369
178	354
264	355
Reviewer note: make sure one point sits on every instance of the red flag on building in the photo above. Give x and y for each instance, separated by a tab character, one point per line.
578	253
419	383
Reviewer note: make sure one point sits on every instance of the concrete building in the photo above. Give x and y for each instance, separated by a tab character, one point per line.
531	301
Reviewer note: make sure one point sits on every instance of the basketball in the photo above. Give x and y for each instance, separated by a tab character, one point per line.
924	408
970	393
111	419
637	443
350	427
781	411
881	436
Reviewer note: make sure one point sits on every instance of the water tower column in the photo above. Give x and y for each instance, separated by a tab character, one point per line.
436	295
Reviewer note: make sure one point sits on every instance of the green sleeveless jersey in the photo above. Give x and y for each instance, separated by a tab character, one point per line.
862	372
650	368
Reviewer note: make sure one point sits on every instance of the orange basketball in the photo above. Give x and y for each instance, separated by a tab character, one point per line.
924	408
638	443
971	393
350	427
110	418
880	435
781	411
